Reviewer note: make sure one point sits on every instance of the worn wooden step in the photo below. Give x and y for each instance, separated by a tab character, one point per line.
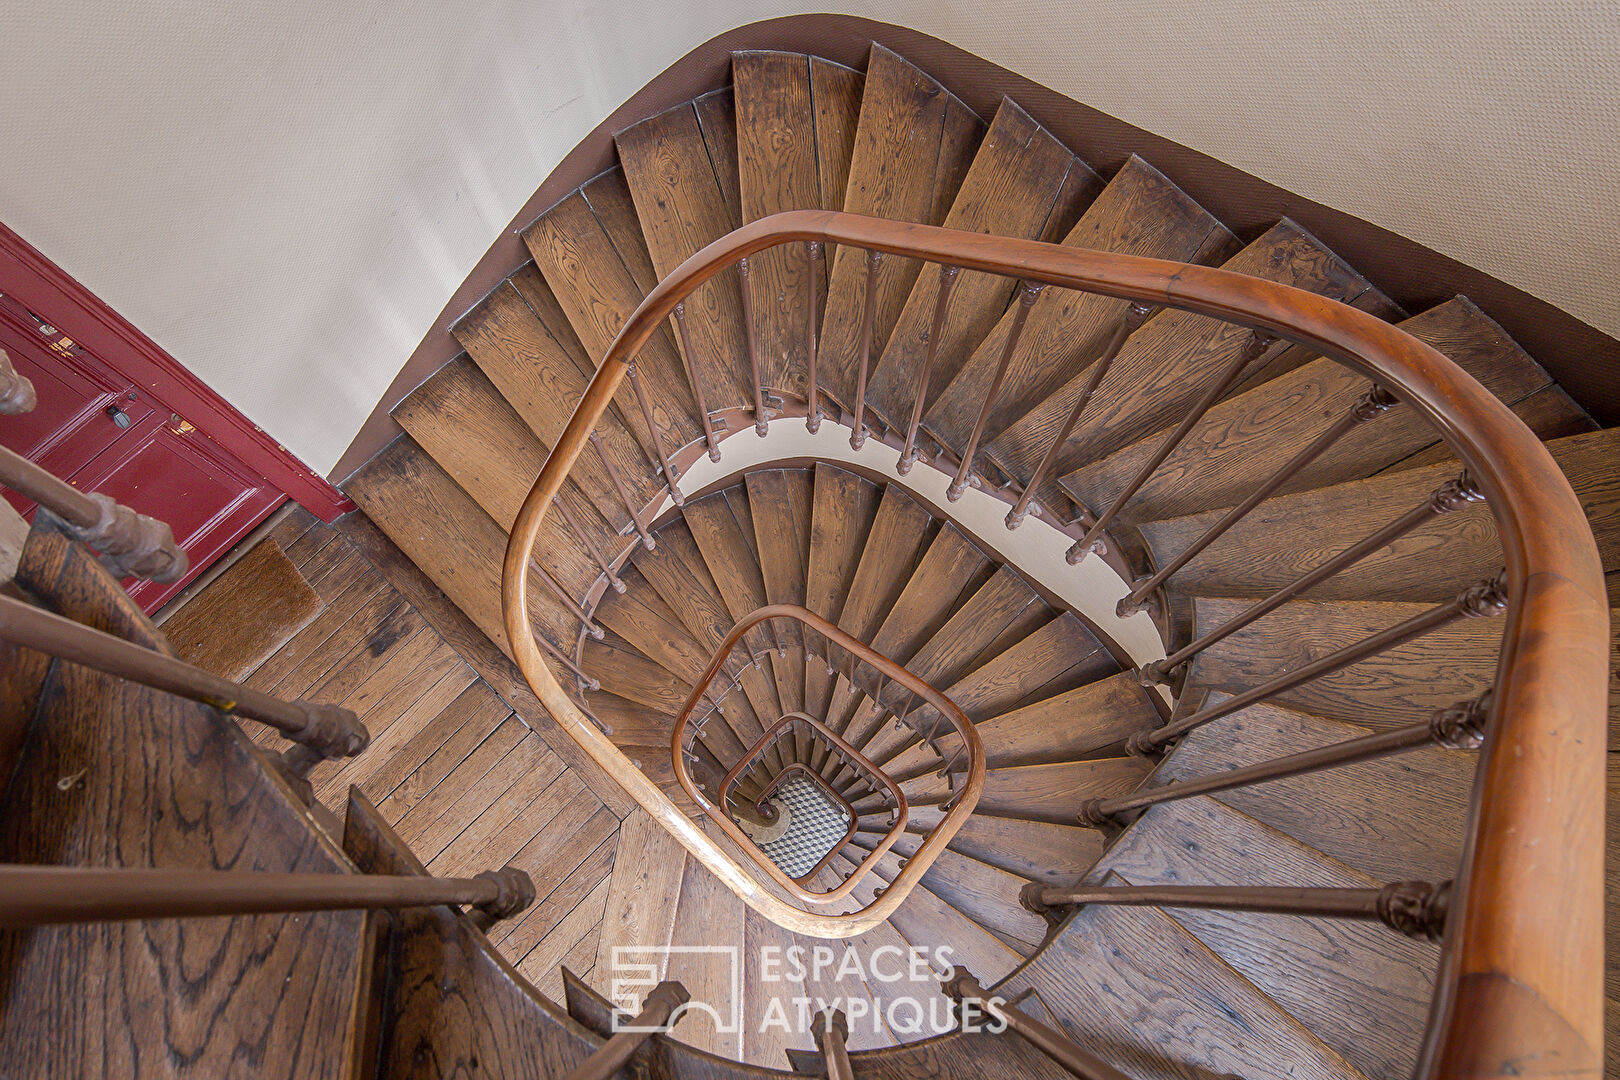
912	148
452	540
1398	687
1242	441
1172	359
840	519
1034	850
1019	180
1155	1002
1286	536
518	337
1140	212
1064	727
1051	793
781	503
1397	819
116	774
779	169
983	892
681	204
596	290
1360	986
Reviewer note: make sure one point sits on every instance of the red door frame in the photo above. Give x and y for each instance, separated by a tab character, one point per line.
45	289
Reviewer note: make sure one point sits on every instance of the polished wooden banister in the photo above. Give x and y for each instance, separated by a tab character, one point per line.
1518	975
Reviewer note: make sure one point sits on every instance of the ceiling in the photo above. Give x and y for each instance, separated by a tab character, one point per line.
283	195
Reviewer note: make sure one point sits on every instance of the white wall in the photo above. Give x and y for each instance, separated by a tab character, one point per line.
284	193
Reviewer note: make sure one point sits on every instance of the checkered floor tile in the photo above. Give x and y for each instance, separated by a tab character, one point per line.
818	824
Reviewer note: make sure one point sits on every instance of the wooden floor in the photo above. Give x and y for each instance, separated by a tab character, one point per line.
464	779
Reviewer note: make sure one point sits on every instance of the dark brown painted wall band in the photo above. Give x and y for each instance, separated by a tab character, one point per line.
1585	361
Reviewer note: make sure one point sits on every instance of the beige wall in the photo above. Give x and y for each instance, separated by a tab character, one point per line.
284	194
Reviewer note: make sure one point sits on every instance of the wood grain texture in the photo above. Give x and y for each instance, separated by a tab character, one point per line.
1243	440
1034	850
1401	686
1136	988
1396	819
1432	562
681	207
1010	190
984	893
1360	988
1165	366
836	93
899	148
1050	793
778	170
1140	212
123	775
265	582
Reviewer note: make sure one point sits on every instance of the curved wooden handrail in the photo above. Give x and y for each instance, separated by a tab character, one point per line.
1519	972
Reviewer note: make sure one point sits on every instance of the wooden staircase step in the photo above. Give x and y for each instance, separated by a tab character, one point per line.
778	170
844	508
116	774
682	208
1065	727
983	892
911	151
624	670
1034	850
1399	687
722	525
1155	1002
595	289
1139	212
1397	819
1051	793
1288	535
956	1053
1367	994
519	340
461	548
950	572
1011	189
640	616
1171	360
265	580
1243	440
781	502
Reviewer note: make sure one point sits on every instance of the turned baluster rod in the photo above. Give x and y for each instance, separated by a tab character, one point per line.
1450	496
573	606
868	316
964	989
647	540
1028	293
16	392
660	1004
1459	727
652	432
327	729
133	545
942	302
1375	402
45	895
1480	600
831	1033
1415	908
762	414
1135	315
689	362
816	266
588	544
1092	542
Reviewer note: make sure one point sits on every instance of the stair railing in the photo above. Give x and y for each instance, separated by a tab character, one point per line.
1518	978
690	728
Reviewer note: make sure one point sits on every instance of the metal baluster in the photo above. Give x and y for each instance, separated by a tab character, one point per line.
816	261
1028	292
588	544
1129	323
1415	908
567	601
656	1009
1459	727
689	361
965	990
868	315
762	413
1372	403
647	540
652	430
566	661
1450	496
831	1032
947	284
1480	600
1092	542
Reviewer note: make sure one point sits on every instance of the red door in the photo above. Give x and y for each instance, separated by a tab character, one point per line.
100	432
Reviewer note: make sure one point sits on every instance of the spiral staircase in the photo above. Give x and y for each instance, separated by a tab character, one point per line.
1110	636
